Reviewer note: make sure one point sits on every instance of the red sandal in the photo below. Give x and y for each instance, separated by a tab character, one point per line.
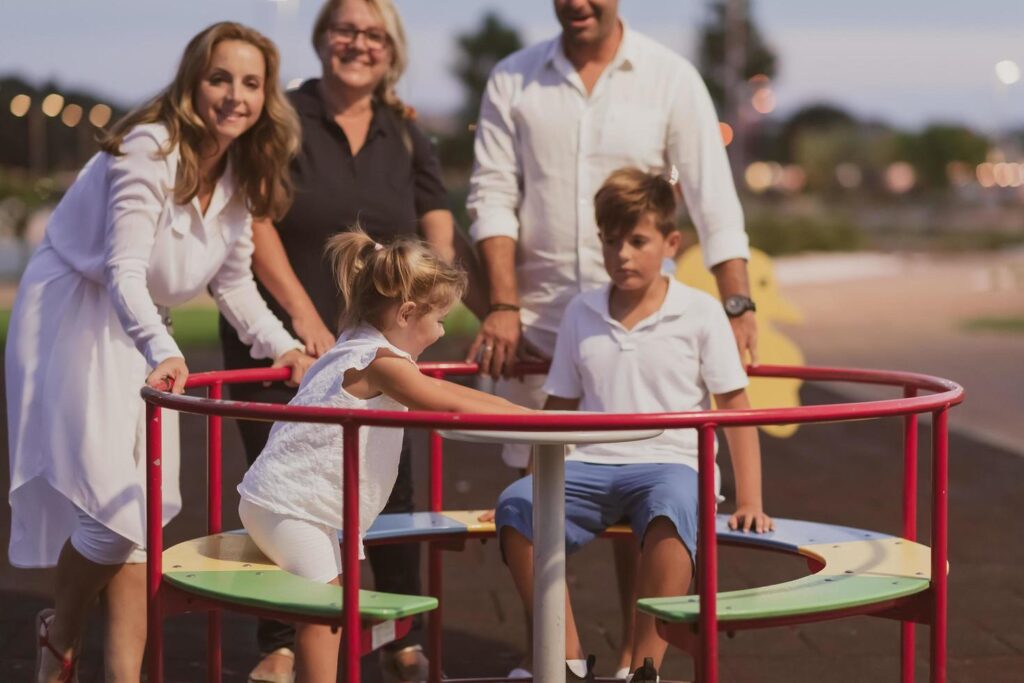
68	665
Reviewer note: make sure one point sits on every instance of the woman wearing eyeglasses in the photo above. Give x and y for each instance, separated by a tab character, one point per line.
362	160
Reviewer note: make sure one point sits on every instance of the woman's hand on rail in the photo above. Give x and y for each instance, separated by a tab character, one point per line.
313	333
169	375
751	518
298	361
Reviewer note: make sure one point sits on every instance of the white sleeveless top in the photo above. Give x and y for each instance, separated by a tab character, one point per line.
299	472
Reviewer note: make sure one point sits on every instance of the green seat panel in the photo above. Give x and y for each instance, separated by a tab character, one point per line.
806	595
278	590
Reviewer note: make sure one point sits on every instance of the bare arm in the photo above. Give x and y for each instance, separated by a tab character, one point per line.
731	277
499	334
745	452
451	244
474	395
271	266
438	229
402	381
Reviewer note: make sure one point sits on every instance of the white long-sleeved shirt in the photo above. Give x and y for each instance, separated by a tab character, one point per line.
119	225
544	146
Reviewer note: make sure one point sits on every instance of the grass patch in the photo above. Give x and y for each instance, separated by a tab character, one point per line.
195	327
1010	325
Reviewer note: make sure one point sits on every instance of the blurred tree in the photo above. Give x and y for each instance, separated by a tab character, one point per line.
478	53
932	151
713	60
819	117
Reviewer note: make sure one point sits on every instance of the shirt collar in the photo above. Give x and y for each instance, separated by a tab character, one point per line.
677	300
309	102
625	57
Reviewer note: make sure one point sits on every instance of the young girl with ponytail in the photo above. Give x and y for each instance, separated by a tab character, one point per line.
395	299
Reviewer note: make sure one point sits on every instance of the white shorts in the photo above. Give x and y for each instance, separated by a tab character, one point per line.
297	546
97	543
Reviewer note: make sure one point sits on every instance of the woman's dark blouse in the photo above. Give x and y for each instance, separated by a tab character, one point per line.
393	180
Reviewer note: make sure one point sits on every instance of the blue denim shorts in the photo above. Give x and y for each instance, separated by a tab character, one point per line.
599	496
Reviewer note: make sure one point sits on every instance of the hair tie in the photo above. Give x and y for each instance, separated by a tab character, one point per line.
673	175
377	246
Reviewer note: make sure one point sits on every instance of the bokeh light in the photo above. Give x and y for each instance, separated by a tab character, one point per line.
72	115
849	175
99	115
986	174
900	177
1007	72
727	133
763	175
20	105
52	104
763	101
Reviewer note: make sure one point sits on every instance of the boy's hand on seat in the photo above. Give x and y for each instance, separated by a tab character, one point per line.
486	516
751	517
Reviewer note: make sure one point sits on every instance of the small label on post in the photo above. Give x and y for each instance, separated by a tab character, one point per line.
382	634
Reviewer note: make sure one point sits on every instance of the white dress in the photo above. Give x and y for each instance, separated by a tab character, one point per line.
88	325
299	474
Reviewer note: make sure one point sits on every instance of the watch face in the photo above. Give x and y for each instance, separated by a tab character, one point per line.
735	305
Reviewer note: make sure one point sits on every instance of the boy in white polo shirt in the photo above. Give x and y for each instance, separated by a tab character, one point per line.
643	343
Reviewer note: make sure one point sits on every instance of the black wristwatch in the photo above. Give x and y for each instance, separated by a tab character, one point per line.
737	304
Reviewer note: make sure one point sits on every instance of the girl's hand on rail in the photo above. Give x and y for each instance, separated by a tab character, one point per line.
169	375
298	361
751	518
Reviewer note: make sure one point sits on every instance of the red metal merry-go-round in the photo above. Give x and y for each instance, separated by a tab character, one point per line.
852	571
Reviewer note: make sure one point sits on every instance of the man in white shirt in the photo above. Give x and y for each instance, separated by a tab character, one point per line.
556	119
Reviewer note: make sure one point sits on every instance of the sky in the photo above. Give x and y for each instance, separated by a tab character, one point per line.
906	62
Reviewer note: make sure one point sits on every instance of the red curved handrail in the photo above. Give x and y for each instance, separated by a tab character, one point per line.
948	394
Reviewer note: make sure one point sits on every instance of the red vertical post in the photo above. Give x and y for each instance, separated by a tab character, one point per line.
435	568
940	550
350	551
154	544
214	525
909	527
707	555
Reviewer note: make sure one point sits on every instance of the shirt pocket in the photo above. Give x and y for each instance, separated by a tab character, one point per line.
633	134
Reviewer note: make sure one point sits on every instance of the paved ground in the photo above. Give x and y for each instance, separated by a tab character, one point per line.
842	473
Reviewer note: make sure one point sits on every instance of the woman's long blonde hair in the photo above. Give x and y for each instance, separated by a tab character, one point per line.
373	277
385	91
260	157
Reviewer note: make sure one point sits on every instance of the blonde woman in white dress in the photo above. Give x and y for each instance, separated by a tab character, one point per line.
162	214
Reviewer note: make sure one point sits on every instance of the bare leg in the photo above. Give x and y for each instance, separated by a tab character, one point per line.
519	556
626	551
79	581
125	641
316	651
665	569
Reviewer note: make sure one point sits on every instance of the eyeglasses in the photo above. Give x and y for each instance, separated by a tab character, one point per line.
345	34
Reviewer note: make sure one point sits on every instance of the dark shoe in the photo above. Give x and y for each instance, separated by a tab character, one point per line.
572	677
646	673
